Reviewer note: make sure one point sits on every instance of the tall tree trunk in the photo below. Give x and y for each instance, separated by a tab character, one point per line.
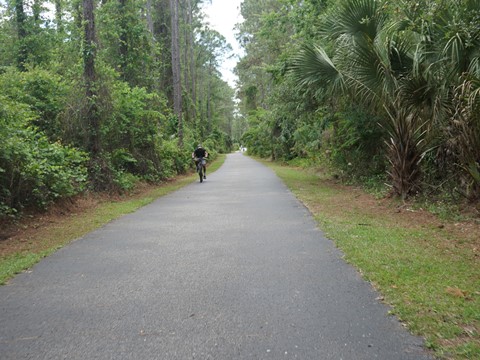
123	46
150	19
176	70
201	104
186	28
59	16
89	56
36	9
191	60
22	34
209	98
186	48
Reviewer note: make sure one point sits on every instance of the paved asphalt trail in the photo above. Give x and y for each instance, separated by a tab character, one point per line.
233	268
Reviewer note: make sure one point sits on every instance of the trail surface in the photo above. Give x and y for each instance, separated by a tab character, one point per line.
233	268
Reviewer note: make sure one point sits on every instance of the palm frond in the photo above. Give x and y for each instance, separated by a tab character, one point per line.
474	67
313	67
401	61
371	66
356	18
455	52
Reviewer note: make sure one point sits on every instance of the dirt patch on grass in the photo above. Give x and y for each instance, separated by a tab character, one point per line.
446	234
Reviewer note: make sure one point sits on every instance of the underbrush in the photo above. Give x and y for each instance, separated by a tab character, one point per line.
444	202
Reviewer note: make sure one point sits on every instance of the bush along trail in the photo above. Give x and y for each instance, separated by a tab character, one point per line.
427	269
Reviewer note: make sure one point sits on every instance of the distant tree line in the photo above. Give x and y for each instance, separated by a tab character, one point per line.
98	95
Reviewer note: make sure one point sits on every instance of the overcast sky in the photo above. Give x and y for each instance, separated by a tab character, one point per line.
222	16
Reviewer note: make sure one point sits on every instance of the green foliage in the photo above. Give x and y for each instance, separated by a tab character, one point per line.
43	91
121	112
209	145
299	122
27	40
257	138
308	139
219	142
134	126
357	147
120	25
8	50
463	139
136	129
175	160
124	181
33	171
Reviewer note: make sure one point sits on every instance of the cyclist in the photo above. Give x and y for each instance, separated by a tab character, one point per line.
198	155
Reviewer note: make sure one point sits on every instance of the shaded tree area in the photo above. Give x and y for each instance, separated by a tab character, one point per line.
99	95
385	92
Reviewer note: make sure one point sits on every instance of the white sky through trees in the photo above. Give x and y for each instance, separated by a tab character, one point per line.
223	15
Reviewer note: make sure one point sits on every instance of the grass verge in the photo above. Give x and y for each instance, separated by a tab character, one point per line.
426	269
43	236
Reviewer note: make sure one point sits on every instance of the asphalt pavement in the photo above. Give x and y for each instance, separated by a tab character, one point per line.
233	268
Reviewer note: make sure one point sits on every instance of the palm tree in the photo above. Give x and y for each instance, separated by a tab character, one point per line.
460	57
422	75
464	135
373	63
450	68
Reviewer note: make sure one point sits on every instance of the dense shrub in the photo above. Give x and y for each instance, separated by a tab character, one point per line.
308	135
210	146
34	171
356	144
132	131
257	138
175	160
219	142
44	92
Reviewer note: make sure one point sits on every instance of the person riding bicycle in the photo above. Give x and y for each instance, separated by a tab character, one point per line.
199	154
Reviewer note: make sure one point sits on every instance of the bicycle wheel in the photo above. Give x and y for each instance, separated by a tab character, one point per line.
200	171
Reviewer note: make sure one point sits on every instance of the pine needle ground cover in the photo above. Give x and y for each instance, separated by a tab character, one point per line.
427	269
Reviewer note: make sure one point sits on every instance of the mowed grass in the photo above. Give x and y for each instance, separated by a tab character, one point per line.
48	238
428	274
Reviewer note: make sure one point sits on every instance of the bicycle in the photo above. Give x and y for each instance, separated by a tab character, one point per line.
201	163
